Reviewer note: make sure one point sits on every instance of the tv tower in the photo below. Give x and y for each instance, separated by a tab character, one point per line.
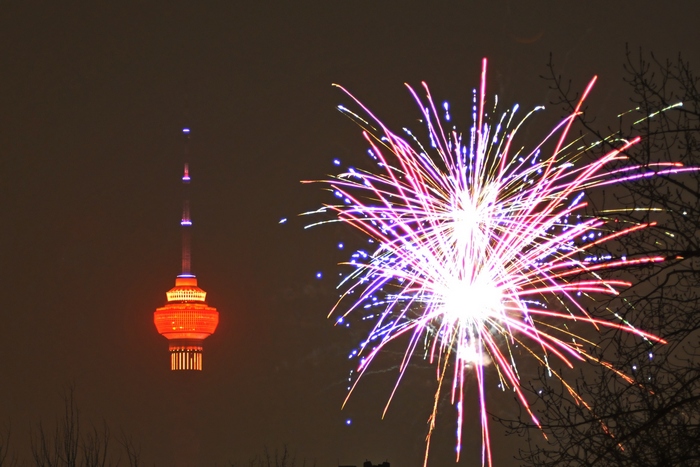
186	319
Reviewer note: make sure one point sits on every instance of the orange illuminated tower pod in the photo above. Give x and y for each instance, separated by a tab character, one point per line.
186	319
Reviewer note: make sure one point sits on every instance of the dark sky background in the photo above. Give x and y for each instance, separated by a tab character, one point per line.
92	101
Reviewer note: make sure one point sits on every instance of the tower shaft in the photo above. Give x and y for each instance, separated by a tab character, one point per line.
186	219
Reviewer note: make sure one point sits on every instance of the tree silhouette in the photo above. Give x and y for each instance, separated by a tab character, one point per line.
7	458
279	458
655	419
69	444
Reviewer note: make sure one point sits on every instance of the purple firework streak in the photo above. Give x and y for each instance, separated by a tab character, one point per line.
477	249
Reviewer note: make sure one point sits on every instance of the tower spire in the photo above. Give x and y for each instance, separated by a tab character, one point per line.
186	319
186	220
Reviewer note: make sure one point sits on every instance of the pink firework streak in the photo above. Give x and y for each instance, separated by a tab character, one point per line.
479	249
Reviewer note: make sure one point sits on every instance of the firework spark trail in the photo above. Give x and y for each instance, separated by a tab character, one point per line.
477	243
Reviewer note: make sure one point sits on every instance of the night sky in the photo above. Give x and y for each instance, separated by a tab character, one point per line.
92	102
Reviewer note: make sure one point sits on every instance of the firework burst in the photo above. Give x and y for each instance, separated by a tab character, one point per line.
482	248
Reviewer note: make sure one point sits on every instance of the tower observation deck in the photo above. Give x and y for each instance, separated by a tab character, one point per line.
186	319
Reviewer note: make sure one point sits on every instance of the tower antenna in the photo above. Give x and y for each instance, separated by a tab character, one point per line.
186	221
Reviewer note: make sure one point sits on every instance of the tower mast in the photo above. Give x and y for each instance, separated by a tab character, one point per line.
186	319
186	221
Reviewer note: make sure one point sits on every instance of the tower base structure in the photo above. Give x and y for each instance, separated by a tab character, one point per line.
186	355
